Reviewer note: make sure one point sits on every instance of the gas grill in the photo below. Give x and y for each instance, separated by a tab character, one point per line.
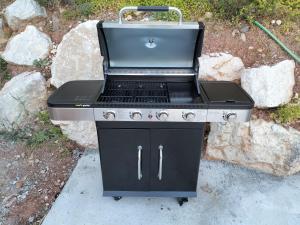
150	110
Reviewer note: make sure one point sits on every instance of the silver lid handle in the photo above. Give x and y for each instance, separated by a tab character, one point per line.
150	9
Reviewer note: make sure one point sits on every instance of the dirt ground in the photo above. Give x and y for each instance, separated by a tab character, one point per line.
31	179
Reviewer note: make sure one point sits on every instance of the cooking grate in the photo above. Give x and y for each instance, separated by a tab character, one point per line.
135	92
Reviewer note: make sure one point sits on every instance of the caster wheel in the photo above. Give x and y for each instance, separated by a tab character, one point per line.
181	201
117	198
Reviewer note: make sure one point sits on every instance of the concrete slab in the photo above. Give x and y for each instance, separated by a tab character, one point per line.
227	195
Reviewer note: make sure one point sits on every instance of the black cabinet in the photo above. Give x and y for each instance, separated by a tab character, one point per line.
150	162
125	155
175	155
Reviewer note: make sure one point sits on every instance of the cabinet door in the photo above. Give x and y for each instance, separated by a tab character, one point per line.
175	156
125	158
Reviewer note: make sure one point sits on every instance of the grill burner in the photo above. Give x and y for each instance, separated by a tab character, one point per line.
135	92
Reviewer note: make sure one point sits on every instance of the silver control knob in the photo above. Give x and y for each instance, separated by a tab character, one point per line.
230	117
163	115
190	116
136	116
110	115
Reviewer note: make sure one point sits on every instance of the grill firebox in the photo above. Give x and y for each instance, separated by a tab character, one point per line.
124	91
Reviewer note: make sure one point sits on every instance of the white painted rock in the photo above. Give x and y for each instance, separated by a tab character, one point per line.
78	56
27	46
82	132
21	98
23	10
270	86
220	66
257	144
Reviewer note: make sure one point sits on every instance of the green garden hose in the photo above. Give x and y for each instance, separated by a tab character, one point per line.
286	49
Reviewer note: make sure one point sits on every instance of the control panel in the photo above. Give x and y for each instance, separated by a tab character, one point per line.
158	115
155	115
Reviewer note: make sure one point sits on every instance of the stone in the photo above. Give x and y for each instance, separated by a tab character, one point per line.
19	184
243	37
31	219
235	32
78	56
278	22
257	144
244	28
208	15
128	18
27	46
270	86
22	10
220	66
21	98
82	132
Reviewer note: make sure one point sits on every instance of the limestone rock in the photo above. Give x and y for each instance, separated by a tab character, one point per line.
27	46
21	98
82	132
23	10
257	144
220	66
78	56
270	86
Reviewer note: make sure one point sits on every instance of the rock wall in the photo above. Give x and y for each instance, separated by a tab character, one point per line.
257	144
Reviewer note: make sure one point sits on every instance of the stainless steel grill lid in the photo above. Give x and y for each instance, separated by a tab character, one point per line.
156	47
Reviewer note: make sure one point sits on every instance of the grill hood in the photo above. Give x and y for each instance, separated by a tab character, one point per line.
156	48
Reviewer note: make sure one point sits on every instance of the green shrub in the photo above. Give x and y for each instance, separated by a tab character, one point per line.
4	73
232	10
85	9
45	132
287	114
49	3
41	63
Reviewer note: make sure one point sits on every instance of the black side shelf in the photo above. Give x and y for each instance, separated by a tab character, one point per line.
225	94
80	93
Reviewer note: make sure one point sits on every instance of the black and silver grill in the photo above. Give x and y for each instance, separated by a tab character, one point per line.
150	110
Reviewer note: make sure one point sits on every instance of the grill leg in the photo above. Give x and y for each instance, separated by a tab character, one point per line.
182	200
117	198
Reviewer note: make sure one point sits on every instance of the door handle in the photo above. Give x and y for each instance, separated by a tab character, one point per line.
160	147
140	162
